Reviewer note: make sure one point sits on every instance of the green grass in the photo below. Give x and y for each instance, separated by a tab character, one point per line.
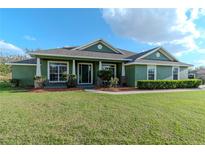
87	118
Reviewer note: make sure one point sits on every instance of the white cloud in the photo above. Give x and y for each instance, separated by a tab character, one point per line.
7	49
29	38
172	28
200	62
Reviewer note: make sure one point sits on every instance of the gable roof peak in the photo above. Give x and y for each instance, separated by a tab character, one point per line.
165	52
82	47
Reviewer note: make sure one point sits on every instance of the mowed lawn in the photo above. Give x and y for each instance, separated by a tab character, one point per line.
87	118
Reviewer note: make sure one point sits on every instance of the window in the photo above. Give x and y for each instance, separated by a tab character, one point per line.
100	46
175	73
111	67
57	71
151	72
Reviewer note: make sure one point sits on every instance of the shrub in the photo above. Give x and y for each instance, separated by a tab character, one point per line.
114	82
202	77
4	84
15	82
5	69
168	84
72	80
105	76
39	81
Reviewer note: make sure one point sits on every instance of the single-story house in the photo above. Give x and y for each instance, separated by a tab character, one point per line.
84	61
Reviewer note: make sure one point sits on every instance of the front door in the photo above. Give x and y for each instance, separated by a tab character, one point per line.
85	73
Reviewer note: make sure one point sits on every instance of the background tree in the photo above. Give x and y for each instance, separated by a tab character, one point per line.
199	73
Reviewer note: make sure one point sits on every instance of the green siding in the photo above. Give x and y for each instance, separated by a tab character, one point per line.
154	57
134	73
95	72
164	72
183	73
24	73
71	67
44	68
140	72
130	75
95	48
119	71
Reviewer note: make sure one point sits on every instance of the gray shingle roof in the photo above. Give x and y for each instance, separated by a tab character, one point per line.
92	54
137	55
84	54
131	57
26	61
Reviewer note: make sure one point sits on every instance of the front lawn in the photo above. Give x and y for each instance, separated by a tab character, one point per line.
88	118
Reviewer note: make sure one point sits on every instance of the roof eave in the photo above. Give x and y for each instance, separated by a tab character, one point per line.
81	57
140	63
20	64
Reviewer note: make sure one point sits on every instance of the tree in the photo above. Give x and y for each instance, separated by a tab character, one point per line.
199	73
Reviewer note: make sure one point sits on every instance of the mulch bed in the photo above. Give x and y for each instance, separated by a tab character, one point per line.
40	90
118	89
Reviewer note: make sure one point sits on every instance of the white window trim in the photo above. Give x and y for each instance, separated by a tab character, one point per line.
91	74
178	72
155	71
48	70
115	68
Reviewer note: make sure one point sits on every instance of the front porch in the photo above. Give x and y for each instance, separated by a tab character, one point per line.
85	70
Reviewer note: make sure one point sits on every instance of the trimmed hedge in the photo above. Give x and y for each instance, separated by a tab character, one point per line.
168	84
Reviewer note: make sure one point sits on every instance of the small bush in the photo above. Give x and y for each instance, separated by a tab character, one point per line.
168	84
72	80
114	82
15	82
105	76
5	84
39	81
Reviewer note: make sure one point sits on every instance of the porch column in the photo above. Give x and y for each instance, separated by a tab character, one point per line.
100	65
123	78
73	71
123	69
38	67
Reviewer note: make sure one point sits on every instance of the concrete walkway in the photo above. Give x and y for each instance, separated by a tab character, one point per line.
144	91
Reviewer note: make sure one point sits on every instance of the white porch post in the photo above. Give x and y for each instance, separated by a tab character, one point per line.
73	71
38	67
100	65
123	69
